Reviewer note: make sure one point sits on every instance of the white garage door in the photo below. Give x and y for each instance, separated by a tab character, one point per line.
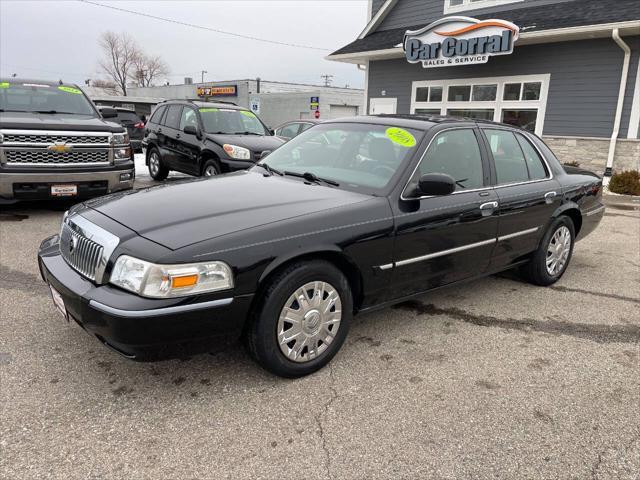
337	111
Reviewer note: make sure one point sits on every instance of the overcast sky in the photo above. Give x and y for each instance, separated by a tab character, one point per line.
59	39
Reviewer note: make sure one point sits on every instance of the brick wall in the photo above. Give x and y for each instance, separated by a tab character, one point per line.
591	153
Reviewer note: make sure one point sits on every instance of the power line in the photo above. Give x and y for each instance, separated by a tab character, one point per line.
192	25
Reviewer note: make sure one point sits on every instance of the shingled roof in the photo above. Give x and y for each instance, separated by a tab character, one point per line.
532	19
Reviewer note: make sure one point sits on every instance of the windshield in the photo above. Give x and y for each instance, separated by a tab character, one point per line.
231	121
30	97
360	157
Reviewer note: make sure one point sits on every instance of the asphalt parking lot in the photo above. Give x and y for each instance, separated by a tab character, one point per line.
492	379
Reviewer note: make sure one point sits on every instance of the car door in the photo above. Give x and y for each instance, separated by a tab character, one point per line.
170	129
527	193
444	239
187	144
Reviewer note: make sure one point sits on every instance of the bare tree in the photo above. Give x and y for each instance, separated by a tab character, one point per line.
148	69
119	57
107	85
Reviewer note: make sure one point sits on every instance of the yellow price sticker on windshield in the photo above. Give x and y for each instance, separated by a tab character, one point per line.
4	84
401	137
70	90
205	110
247	113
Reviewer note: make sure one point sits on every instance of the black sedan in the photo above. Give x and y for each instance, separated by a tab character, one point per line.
285	254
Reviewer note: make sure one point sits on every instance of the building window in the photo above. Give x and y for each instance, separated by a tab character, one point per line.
452	6
519	101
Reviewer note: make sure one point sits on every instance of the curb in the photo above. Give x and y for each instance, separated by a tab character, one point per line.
626	202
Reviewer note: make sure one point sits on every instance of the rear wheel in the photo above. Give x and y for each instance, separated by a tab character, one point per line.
301	320
552	258
157	169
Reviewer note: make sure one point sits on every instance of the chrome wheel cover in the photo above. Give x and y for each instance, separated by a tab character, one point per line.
309	321
558	251
154	163
210	171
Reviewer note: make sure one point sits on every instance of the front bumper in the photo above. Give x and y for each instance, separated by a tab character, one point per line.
141	328
30	185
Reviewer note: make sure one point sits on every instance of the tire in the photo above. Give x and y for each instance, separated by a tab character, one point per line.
548	265
268	329
211	168
157	169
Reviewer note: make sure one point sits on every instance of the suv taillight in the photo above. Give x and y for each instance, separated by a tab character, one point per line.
139	125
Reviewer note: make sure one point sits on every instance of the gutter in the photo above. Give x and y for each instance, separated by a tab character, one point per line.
615	34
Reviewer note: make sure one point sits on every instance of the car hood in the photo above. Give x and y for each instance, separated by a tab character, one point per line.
58	121
254	143
182	214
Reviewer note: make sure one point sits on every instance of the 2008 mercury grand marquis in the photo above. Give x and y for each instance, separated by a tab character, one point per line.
350	216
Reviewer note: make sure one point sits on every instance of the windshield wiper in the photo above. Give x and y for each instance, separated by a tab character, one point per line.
269	169
247	133
53	112
312	177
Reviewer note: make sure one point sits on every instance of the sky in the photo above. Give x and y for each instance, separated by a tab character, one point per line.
55	39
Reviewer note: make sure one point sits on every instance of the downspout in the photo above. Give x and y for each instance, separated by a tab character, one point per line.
623	87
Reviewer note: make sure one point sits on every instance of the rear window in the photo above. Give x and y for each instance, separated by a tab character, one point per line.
33	97
128	117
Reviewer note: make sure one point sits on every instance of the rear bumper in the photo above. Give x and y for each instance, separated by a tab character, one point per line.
140	328
111	180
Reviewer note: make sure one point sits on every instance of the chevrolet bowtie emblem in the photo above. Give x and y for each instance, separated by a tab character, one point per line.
60	147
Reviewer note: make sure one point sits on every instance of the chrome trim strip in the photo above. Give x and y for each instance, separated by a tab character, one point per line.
518	234
159	311
82	133
442	253
388	266
594	211
57	165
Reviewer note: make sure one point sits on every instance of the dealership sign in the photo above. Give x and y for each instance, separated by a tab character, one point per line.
219	91
453	41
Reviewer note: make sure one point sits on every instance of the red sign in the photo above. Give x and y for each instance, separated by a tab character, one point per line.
316	114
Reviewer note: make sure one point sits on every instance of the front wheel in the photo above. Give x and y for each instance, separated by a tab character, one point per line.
301	320
211	168
552	258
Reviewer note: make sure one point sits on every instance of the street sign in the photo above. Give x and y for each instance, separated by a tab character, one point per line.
315	100
255	105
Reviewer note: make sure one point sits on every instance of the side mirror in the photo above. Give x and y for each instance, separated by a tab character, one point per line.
272	131
264	154
436	184
191	130
109	112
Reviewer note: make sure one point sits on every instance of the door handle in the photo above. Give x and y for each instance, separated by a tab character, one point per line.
549	196
489	206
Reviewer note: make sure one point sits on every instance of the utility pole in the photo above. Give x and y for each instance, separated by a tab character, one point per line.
203	72
327	79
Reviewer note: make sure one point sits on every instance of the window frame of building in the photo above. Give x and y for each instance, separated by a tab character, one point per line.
498	105
474	4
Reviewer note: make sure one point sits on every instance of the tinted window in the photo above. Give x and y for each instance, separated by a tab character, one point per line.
231	121
507	154
188	118
172	118
289	131
537	170
456	153
157	114
128	117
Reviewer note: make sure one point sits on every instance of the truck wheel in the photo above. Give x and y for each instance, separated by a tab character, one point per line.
211	168
552	258
157	169
301	320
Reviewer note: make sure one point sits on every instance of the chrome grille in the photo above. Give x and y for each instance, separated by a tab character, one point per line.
41	156
48	139
82	254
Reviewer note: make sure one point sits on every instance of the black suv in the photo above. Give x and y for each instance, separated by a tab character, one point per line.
130	120
204	138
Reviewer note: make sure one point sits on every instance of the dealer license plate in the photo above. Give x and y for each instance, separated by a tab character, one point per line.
64	190
58	302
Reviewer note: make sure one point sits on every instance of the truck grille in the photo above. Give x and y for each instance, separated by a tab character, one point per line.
42	156
82	254
48	139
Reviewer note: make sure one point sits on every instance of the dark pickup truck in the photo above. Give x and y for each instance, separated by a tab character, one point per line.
54	143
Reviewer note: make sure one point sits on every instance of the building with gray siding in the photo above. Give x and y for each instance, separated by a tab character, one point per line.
573	75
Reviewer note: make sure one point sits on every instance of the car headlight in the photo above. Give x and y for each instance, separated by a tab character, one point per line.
119	139
239	153
164	281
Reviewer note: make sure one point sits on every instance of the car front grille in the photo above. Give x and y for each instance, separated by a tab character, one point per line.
42	156
50	138
82	254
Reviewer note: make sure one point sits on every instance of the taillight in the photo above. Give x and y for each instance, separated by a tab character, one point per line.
139	125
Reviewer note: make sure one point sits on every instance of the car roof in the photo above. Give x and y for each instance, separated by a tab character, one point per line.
37	82
417	121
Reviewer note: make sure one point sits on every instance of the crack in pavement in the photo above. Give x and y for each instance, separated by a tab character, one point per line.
318	418
596	294
594	332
